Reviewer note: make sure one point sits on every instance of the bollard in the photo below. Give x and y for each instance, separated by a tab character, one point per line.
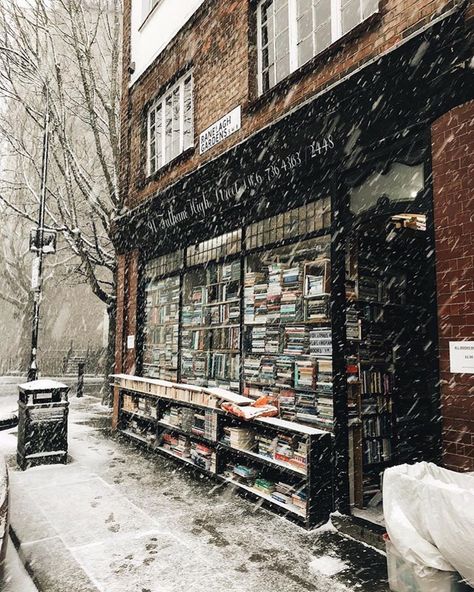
80	379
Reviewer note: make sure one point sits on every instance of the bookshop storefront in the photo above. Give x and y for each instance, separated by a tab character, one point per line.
300	265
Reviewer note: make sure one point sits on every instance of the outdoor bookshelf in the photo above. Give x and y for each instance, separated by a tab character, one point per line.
285	465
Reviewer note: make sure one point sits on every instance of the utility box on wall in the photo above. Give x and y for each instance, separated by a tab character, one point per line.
42	423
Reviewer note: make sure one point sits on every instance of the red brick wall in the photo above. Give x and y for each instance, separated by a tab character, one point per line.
453	181
127	292
216	42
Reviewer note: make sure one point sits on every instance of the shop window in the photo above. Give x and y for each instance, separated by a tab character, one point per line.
160	351
170	124
287	339
300	221
291	32
211	325
397	183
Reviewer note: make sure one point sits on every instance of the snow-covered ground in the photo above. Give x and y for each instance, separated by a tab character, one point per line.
118	518
16	579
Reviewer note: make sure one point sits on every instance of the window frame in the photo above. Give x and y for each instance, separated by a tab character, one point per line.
160	105
335	28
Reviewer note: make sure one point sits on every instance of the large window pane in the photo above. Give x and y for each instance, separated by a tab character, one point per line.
287	340
160	356
170	124
211	325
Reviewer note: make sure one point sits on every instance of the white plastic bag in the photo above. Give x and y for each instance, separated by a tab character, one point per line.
429	516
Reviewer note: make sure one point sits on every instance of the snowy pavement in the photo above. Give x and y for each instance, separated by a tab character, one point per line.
119	518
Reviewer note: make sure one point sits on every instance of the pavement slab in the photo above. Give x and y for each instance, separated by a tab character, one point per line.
120	518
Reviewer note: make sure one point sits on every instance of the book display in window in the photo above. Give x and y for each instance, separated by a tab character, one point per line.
284	465
160	354
211	326
288	337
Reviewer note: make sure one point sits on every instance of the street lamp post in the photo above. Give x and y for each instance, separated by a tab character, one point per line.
37	270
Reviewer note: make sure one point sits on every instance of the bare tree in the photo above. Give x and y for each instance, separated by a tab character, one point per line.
64	55
15	274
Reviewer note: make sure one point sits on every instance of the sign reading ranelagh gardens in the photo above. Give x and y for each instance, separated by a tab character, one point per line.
220	130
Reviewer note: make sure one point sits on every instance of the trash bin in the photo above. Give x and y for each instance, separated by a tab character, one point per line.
42	423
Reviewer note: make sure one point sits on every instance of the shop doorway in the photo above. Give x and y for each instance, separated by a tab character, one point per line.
391	357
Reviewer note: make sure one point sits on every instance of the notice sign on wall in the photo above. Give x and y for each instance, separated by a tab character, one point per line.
220	130
461	357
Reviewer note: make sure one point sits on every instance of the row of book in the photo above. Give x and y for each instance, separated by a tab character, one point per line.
139	429
140	406
202	368
376	451
289	371
197	453
283	448
293	496
289	339
211	339
201	423
170	390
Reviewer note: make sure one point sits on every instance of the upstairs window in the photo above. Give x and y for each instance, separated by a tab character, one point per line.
170	124
147	7
291	32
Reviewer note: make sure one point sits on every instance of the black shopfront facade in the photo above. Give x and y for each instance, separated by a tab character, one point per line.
300	264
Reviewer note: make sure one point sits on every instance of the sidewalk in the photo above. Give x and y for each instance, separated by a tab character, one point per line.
120	519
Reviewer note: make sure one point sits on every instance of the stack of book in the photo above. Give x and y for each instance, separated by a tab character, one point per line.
306	407
203	456
241	438
283	492
284	371
260	302
305	374
272	340
243	474
264	485
210	425
287	404
317	309
296	340
258	339
177	444
353	325
274	292
284	448
300	499
265	445
267	370
251	369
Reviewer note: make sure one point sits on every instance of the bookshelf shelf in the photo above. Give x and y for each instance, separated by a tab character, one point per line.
135	436
288	507
183	459
178	430
265	459
139	416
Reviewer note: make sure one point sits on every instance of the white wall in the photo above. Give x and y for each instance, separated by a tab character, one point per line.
151	37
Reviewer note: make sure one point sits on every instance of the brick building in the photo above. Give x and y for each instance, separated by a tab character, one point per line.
302	168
